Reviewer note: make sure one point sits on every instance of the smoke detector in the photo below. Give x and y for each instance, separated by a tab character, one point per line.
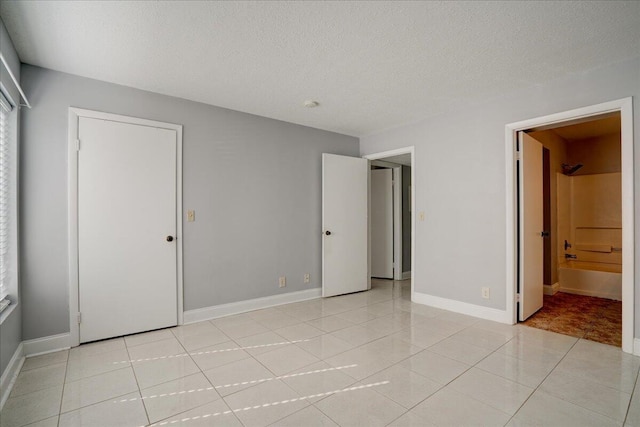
310	103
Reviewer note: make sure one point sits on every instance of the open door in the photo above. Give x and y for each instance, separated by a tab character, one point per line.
531	218
344	224
382	223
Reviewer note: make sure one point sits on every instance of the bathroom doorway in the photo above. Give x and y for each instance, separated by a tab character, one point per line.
571	257
582	229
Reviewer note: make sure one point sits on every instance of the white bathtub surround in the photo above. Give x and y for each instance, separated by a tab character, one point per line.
586	279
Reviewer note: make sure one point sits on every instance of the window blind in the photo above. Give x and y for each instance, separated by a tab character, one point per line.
5	191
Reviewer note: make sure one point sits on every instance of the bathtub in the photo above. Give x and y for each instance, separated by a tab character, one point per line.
591	278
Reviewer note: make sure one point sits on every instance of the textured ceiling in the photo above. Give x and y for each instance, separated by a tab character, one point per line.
370	65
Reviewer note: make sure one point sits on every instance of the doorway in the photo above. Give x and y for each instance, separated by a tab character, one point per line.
346	227
390	211
582	229
398	242
124	225
572	242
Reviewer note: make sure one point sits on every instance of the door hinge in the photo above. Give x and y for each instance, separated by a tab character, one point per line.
79	318
518	155
517	297
77	145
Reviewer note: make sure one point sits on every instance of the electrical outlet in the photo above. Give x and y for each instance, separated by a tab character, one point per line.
191	216
307	278
283	281
486	293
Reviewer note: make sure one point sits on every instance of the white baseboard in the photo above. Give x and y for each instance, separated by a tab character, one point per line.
207	313
406	275
487	313
45	345
10	374
551	289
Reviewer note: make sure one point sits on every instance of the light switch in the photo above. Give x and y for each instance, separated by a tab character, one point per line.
421	216
191	216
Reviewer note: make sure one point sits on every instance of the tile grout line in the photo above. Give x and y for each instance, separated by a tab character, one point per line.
457	376
64	384
635	389
544	379
137	382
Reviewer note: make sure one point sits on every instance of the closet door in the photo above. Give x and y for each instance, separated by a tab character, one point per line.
127	253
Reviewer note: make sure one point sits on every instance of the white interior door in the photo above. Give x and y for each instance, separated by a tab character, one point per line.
531	227
127	267
344	224
382	223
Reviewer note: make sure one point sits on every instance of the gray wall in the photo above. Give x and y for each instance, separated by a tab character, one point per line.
255	184
406	219
461	183
11	327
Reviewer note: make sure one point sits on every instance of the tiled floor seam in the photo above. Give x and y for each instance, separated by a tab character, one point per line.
543	380
452	380
64	385
190	409
588	409
138	384
95	375
635	388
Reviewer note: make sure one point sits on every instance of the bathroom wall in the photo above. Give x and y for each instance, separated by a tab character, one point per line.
594	217
598	155
557	156
563	216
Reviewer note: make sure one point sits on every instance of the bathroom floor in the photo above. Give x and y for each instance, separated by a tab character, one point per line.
591	318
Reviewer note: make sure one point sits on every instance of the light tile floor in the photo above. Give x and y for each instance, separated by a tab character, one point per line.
366	359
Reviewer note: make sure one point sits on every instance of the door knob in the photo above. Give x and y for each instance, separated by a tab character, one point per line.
328	233
544	233
169	238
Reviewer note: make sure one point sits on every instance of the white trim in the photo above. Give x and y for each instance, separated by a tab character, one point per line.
74	116
10	374
16	83
45	345
636	346
397	222
625	107
216	311
406	275
405	150
4	314
551	289
479	311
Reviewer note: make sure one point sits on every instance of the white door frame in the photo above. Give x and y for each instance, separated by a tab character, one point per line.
382	155
397	222
625	107
74	117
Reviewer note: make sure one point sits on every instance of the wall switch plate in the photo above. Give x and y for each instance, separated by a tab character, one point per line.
282	281
307	278
486	293
421	216
191	216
